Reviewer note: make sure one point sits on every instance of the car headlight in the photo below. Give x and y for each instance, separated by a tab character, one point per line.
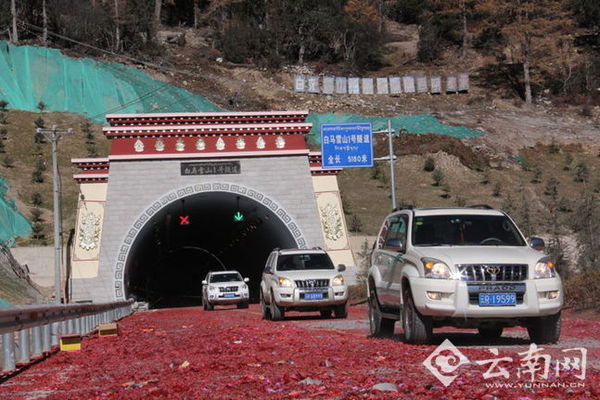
338	281
544	268
244	287
212	288
436	269
284	282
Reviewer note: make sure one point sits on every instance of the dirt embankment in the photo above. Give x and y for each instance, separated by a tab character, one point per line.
15	285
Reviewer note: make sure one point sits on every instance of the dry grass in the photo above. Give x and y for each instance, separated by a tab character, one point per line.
370	199
581	293
20	146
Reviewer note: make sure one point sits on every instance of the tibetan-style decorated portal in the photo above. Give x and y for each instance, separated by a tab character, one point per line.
158	212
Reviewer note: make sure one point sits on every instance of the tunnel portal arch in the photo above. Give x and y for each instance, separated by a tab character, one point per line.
141	224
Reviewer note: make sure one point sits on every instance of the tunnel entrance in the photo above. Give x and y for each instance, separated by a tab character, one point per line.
193	235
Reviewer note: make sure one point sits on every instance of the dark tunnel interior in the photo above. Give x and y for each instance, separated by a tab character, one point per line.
192	236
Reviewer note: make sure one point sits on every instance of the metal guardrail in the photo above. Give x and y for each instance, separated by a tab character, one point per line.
34	330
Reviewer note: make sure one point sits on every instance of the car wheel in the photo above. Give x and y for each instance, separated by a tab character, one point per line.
543	330
277	312
341	311
380	326
209	307
417	328
326	313
490	332
266	312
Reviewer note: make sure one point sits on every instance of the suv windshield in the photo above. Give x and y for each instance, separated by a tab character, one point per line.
465	230
298	262
229	277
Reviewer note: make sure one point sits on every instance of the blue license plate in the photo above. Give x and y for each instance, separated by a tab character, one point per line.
497	299
229	295
313	296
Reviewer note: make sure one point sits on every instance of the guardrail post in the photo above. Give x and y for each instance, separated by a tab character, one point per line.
36	332
77	324
8	351
63	328
24	345
70	326
46	338
55	333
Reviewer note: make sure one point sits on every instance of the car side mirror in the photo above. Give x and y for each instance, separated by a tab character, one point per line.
268	270
246	280
341	268
537	243
204	282
394	244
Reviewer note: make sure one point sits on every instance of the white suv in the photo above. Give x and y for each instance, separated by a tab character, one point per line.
302	280
462	267
223	288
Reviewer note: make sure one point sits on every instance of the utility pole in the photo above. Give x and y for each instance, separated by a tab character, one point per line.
392	175
54	135
391	157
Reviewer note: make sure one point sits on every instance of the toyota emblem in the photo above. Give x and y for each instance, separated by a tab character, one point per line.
492	270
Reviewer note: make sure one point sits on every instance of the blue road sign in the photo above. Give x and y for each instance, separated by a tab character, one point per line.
347	145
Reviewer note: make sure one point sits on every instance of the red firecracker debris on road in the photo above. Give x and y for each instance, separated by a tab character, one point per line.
188	353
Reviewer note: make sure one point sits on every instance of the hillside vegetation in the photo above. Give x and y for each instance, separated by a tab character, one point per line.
535	93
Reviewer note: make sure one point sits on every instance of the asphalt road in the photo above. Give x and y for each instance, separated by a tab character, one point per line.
188	353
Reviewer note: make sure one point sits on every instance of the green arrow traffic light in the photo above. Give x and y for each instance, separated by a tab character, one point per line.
238	217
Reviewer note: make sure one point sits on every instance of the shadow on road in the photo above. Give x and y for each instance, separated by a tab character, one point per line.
470	339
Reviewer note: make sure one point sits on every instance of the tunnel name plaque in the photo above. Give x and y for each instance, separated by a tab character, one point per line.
211	168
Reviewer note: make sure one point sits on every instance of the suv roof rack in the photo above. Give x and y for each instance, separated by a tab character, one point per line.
484	206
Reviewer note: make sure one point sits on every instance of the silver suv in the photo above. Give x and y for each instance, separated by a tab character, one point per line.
302	280
462	267
224	288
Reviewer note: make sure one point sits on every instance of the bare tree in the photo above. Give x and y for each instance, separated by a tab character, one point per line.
463	9
45	22
13	11
117	27
157	9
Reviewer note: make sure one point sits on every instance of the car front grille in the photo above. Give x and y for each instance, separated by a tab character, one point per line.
312	283
228	289
493	272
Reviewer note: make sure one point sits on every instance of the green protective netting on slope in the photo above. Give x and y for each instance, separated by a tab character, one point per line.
12	223
419	124
31	74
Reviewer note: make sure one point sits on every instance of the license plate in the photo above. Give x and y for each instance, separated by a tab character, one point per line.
313	296
497	299
229	295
